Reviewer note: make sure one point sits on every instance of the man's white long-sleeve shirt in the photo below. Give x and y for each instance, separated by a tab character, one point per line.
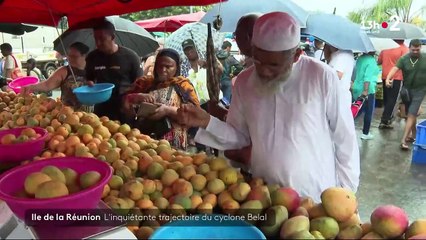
302	136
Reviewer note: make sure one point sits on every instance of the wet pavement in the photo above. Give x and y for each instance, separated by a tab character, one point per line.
387	174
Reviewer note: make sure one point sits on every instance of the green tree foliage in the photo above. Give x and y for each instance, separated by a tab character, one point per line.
356	16
384	9
164	12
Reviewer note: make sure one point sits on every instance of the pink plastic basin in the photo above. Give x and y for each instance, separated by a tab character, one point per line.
22	151
16	84
13	180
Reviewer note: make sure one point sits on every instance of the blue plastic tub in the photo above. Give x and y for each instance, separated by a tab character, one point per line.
208	227
419	154
421	133
95	94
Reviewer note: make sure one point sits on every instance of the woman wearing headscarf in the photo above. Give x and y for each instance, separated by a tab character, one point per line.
66	77
169	90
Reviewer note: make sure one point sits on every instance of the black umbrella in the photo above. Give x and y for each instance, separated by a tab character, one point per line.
232	10
128	34
16	28
213	80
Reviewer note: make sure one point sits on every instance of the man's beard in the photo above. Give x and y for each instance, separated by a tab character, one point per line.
270	87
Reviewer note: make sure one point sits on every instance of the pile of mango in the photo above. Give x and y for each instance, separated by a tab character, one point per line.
26	135
150	177
52	182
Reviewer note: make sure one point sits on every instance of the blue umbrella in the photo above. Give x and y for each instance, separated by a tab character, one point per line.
338	32
232	10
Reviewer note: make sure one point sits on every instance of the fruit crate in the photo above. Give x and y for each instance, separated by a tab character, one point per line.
421	134
419	154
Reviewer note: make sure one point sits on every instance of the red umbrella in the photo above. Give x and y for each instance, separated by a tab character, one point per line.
171	23
49	12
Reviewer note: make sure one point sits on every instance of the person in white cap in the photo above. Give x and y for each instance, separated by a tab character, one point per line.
290	111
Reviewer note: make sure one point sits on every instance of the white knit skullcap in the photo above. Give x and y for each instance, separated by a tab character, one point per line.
275	32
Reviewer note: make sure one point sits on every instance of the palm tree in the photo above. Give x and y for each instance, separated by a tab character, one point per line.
357	16
383	10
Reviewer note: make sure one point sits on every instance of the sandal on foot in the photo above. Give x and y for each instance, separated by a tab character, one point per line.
404	146
410	139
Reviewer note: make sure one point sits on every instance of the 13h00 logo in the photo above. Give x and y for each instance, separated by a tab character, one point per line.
374	27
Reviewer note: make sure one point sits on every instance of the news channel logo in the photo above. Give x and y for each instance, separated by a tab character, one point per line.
371	26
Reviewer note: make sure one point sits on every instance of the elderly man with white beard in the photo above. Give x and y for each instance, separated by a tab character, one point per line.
290	111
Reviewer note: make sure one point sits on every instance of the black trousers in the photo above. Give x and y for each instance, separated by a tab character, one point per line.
390	97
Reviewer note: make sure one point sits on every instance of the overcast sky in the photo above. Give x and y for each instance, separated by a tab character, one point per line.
343	7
